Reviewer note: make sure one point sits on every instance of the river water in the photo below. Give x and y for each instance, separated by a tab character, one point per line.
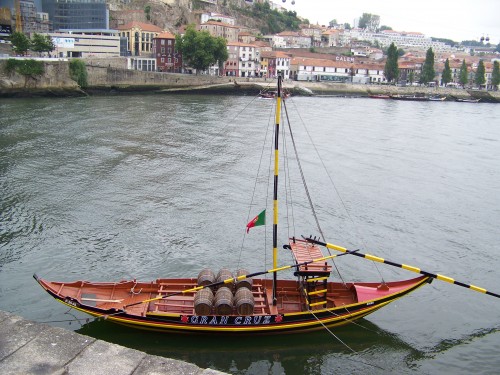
147	186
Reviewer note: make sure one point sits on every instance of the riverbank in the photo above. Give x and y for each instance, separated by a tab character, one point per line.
108	79
31	348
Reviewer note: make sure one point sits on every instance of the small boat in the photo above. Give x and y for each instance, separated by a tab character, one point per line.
243	302
437	98
380	96
418	98
270	94
468	100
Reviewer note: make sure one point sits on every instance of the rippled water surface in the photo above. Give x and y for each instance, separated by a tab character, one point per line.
109	188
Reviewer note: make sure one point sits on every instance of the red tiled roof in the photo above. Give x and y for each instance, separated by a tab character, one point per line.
320	62
240	44
165	35
141	25
274	54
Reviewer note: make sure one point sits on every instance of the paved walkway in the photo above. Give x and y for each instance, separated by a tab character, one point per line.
27	347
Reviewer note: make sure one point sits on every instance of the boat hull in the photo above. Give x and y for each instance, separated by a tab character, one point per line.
291	314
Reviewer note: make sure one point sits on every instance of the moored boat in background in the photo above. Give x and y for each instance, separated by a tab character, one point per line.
380	96
468	100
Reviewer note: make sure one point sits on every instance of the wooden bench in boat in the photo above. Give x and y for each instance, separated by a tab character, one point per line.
184	303
305	252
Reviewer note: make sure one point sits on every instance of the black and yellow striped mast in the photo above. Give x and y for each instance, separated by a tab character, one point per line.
275	193
403	266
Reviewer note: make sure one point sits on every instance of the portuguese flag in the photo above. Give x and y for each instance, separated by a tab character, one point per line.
260	219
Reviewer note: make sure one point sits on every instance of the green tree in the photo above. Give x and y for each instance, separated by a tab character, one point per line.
20	43
495	75
480	78
464	74
411	76
369	21
42	43
428	72
78	72
446	76
28	68
200	50
391	70
147	11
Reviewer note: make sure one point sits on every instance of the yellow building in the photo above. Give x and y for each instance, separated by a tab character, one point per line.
140	37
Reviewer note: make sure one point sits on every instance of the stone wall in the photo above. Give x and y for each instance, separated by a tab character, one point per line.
105	75
56	78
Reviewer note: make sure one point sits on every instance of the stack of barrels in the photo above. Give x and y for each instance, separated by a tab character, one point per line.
228	298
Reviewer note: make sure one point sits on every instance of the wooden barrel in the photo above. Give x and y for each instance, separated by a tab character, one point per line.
224	301
203	301
244	301
206	277
225	274
245	283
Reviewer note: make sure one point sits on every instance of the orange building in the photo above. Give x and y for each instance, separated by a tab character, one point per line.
140	37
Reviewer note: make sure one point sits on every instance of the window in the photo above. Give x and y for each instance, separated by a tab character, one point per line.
169	42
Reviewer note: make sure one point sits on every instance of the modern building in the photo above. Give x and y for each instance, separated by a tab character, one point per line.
86	43
77	14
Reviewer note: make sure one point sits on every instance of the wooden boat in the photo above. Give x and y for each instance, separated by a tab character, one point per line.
468	100
272	94
410	98
437	98
379	96
243	302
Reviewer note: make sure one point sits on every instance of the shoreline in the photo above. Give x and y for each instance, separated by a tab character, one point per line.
112	80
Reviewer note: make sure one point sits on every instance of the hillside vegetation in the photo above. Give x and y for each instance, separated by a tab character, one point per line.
170	14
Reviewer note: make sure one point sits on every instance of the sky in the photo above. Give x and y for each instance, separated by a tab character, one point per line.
452	19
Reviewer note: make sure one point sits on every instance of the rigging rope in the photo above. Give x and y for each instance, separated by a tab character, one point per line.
307	189
343	343
344	206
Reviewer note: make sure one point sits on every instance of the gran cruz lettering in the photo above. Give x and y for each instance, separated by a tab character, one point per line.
227	320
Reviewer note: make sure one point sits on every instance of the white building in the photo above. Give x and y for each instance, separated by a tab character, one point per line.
401	39
86	43
205	17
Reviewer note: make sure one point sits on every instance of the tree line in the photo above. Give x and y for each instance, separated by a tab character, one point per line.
21	44
428	73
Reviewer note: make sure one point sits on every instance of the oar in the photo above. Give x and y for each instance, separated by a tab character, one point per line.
242	277
404	266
